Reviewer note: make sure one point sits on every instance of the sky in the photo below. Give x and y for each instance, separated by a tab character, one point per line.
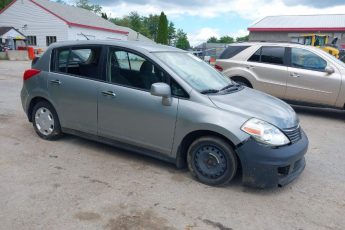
201	19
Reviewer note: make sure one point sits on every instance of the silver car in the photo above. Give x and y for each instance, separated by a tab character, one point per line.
295	73
166	103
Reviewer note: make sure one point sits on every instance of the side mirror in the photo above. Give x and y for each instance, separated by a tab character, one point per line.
329	69
163	90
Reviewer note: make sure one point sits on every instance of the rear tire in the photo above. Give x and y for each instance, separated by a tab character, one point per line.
45	121
212	161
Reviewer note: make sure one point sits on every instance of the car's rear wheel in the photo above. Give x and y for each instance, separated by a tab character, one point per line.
212	161
45	121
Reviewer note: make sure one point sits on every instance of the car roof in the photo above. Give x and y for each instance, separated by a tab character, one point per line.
149	47
262	43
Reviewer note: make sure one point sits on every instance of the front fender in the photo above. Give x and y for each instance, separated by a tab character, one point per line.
193	117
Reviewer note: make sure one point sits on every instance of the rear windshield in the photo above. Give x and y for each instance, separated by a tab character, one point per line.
231	51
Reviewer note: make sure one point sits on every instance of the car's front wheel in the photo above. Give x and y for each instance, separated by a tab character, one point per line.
45	121
212	161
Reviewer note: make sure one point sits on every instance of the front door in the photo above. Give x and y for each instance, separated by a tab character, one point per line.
127	111
73	86
308	81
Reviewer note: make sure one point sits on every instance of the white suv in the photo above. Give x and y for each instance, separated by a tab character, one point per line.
293	72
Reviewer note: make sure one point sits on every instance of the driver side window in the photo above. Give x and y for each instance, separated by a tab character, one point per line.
304	59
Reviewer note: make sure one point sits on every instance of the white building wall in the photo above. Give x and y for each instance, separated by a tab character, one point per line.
38	22
77	33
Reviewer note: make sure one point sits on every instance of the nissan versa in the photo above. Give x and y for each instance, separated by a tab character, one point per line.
166	103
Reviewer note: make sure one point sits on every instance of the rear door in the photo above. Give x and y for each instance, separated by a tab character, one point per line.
269	65
73	86
127	112
308	81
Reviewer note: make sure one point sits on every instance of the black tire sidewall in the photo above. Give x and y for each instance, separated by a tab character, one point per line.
229	154
57	128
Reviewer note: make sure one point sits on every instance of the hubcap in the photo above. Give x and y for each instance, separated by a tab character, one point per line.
44	121
210	161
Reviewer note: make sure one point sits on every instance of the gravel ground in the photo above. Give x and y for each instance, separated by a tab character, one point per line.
74	183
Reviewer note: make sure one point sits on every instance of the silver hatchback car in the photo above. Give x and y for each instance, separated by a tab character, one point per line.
166	103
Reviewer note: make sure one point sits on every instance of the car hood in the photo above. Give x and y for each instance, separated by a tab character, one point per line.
252	103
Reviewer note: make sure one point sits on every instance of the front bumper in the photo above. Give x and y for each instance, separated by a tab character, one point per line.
265	166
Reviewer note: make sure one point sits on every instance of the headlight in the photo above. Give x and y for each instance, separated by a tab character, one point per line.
264	132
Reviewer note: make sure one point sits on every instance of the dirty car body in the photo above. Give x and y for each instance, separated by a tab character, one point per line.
164	102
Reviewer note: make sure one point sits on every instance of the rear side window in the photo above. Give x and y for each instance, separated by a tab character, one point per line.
232	51
269	55
83	62
273	55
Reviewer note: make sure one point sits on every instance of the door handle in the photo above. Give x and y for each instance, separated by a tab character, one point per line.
109	93
55	82
295	75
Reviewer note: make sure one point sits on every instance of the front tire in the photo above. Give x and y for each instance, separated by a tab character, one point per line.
45	121
212	161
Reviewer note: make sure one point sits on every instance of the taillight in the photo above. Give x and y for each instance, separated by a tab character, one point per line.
30	73
218	67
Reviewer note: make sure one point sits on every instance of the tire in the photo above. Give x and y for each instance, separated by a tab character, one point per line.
212	161
243	82
45	121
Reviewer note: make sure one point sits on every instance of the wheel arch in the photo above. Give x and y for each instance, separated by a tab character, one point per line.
240	78
181	155
32	104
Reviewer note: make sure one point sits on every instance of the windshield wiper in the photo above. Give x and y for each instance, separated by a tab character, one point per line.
206	91
231	86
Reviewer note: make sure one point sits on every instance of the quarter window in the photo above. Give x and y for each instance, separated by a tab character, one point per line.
232	51
301	58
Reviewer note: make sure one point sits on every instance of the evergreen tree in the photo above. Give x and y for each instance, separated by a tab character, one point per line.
162	34
4	3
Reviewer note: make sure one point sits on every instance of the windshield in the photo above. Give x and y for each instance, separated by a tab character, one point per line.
336	60
194	71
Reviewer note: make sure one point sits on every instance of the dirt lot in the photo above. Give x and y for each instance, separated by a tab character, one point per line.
74	183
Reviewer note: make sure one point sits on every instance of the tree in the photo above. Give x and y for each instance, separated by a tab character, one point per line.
121	21
242	39
104	15
182	40
162	33
226	39
151	23
171	33
135	21
85	4
4	3
212	40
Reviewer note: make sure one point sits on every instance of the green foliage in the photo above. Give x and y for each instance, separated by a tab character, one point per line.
4	3
182	40
162	33
104	15
224	39
242	39
171	33
212	40
85	4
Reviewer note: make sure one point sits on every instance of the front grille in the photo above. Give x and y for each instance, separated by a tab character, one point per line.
294	134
